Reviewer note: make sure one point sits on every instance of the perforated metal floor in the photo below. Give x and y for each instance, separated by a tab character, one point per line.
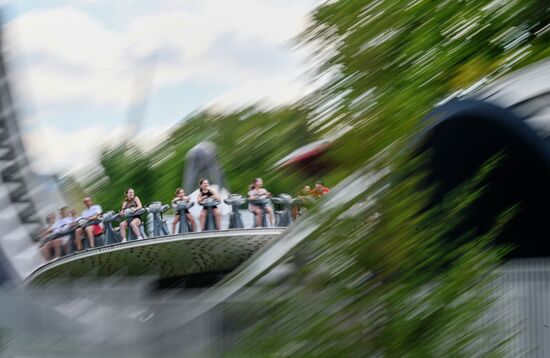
162	257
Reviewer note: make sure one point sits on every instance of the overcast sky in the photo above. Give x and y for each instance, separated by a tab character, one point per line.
76	66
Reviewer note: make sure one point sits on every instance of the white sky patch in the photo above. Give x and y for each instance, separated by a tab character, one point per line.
65	56
70	57
73	56
76	151
53	151
266	93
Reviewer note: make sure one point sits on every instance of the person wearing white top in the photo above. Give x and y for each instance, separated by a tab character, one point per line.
92	212
60	226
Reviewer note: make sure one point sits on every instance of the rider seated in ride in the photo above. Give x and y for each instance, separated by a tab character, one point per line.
131	202
62	225
180	196
46	245
205	191
298	209
255	191
319	190
92	212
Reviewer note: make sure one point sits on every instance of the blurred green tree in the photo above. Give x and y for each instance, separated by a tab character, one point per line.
390	62
249	143
381	280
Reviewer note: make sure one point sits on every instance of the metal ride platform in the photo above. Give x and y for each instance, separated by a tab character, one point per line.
160	257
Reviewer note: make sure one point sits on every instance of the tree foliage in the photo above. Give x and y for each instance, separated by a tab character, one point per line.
390	62
380	278
249	143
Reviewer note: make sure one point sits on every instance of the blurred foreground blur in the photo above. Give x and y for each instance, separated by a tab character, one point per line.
430	243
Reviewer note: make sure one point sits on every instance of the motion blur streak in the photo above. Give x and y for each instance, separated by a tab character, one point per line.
408	255
25	198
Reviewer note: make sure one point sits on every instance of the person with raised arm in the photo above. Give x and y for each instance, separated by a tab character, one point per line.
131	202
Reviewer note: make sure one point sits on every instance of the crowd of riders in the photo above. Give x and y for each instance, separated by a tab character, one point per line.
69	232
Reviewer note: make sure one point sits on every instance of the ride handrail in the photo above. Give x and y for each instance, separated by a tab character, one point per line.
110	216
235	200
157	207
260	200
283	199
181	205
209	202
131	212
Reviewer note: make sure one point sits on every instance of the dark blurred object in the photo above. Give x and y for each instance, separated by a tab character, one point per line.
202	162
511	117
309	158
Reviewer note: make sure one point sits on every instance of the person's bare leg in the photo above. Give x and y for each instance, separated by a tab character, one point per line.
123	226
294	212
46	251
271	218
174	223
202	219
218	218
78	239
259	218
135	226
191	219
90	234
57	247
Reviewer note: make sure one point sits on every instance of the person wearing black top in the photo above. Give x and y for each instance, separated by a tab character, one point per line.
131	202
205	191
